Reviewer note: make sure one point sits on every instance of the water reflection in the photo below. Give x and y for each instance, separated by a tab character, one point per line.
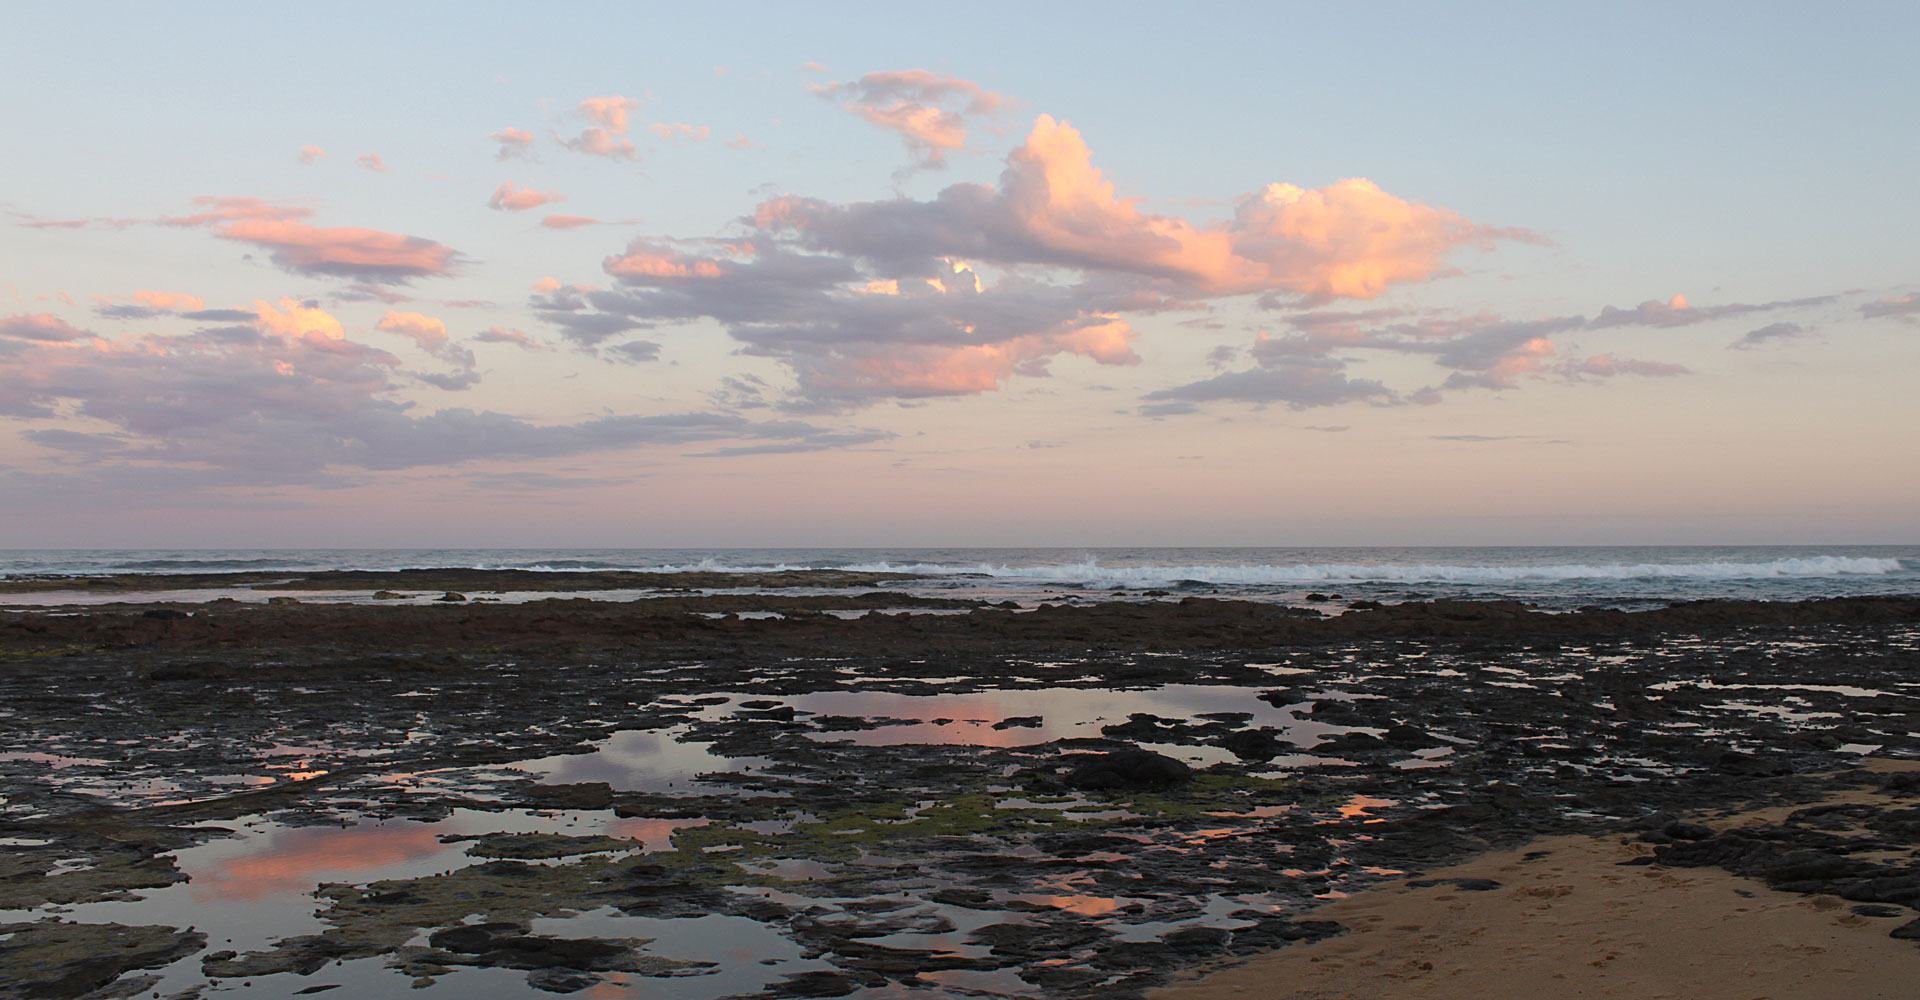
297	860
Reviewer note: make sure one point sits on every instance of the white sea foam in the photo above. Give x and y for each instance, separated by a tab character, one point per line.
1092	573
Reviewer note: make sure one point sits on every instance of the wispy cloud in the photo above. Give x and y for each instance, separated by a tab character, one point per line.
929	111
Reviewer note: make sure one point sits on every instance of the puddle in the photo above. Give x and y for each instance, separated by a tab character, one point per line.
656	761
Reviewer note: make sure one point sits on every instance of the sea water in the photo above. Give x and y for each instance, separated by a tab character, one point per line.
1553	577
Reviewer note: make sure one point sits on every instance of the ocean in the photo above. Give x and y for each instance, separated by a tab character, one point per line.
1560	578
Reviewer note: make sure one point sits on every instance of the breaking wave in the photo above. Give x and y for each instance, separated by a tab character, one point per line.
1092	573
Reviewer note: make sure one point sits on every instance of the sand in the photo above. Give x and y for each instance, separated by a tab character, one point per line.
1569	922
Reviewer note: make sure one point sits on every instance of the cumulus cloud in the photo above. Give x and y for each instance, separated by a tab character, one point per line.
514	143
603	139
510	198
597	142
429	333
927	110
1053	207
891	299
742	143
611	112
297	320
312	154
371	161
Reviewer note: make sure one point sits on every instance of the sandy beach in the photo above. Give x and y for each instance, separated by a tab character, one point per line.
1575	917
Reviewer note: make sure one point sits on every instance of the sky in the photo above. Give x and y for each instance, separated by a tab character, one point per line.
1014	274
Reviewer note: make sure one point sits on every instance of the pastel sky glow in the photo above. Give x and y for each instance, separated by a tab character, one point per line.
685	277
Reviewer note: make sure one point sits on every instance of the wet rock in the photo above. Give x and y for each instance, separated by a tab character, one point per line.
582	795
53	958
552	980
451	597
472	939
1139	726
1253	744
1127	769
1196	941
1410	737
1877	910
389	595
1462	884
1020	721
817	984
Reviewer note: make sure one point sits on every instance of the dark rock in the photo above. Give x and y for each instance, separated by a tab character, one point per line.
1191	941
817	984
1886	889
553	980
1409	737
1253	744
584	795
1909	931
1463	884
1878	910
165	614
472	939
1679	830
1746	765
451	596
1127	769
1021	721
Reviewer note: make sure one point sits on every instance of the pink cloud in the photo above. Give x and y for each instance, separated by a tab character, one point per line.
568	221
1348	240
653	264
918	371
426	331
742	143
44	327
611	112
497	335
371	161
1900	307
169	301
513	143
927	110
1607	366
312	154
364	254
597	141
215	210
673	131
508	198
295	320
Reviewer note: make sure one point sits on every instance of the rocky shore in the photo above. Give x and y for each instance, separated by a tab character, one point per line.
879	795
